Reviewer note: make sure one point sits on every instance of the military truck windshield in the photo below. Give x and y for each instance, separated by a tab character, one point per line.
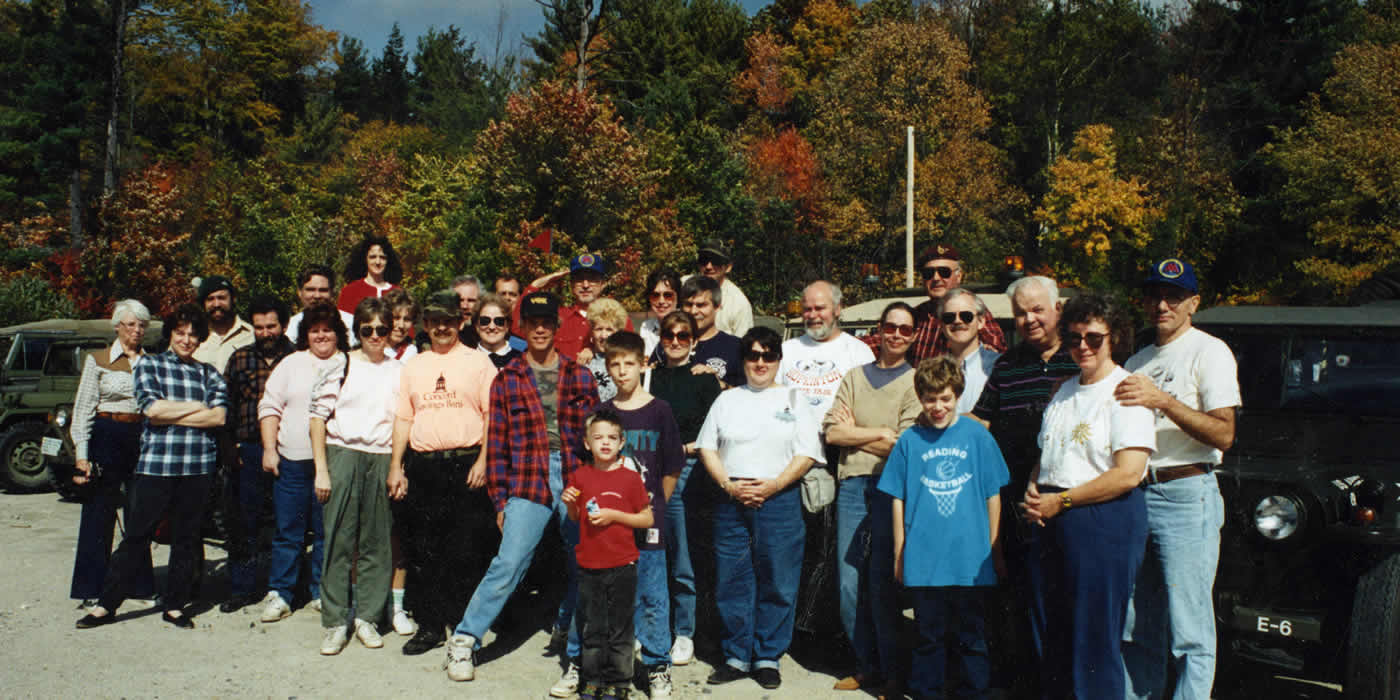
1354	376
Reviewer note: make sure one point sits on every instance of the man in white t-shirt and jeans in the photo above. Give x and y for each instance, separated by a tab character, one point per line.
1189	379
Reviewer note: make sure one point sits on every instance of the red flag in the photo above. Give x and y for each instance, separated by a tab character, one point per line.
542	240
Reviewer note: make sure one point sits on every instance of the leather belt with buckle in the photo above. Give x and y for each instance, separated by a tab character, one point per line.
1162	475
120	417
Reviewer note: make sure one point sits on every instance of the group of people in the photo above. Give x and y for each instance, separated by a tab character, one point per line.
1054	500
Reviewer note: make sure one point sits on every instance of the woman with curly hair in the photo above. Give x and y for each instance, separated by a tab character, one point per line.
373	270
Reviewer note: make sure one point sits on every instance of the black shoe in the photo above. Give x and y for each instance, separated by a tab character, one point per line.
90	621
238	602
768	677
426	640
183	621
724	673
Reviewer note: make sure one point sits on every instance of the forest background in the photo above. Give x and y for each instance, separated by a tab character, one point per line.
147	142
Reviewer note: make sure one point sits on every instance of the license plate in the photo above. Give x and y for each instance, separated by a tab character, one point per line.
1271	623
50	446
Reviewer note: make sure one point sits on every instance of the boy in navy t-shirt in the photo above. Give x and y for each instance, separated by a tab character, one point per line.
609	502
945	475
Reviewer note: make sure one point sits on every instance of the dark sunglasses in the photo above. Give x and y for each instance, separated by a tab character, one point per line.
1095	340
668	296
965	316
486	321
367	331
683	336
707	259
903	329
766	356
941	271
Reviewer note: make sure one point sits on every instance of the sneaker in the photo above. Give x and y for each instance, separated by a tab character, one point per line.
274	608
403	624
724	673
314	605
659	678
590	692
567	684
460	666
768	677
367	634
334	641
683	651
427	639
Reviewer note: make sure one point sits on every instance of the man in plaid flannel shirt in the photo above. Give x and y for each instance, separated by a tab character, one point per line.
534	443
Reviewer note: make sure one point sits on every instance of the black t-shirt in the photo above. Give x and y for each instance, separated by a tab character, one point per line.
689	395
724	354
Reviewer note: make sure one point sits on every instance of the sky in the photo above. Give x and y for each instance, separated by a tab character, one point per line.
370	20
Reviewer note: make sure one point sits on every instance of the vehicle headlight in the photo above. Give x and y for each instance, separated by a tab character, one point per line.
1278	517
60	418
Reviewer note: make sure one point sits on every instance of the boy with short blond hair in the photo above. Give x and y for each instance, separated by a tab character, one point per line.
945	475
609	502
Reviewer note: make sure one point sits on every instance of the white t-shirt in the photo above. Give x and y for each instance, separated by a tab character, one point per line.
1198	370
294	323
744	425
1084	426
360	413
976	368
815	368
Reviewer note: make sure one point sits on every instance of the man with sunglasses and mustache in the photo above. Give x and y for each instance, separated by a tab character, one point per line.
941	267
1189	379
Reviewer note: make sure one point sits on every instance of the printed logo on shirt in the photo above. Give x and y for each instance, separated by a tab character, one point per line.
720	367
949	483
816	378
440	397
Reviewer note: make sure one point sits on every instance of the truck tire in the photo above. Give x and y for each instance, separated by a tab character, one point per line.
23	462
1373	665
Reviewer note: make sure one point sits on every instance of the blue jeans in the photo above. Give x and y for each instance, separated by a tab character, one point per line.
678	555
652	614
568	531
250	484
525	523
294	500
957	613
1172	600
758	562
865	566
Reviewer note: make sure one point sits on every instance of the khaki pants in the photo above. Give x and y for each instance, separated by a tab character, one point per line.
356	519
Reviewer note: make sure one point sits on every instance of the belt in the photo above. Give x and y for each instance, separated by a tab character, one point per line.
450	454
121	417
1162	475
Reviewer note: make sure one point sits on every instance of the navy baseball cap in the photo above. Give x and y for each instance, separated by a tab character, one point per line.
539	305
1175	272
590	262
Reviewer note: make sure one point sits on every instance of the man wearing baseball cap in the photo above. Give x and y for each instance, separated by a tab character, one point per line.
227	332
1189	379
587	279
735	317
941	267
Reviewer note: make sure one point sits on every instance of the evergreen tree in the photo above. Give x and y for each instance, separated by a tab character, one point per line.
391	84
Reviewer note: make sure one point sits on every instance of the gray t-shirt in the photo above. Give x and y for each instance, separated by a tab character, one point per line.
547	379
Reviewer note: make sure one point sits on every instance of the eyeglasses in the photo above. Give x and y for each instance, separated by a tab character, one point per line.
367	331
682	336
965	316
903	329
668	296
942	271
709	259
765	355
1095	340
486	321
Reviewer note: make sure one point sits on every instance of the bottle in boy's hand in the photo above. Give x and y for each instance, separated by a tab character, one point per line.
592	506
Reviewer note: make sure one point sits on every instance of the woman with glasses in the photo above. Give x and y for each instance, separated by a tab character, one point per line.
662	287
690	394
352	424
493	327
1088	518
963	316
757	442
873	405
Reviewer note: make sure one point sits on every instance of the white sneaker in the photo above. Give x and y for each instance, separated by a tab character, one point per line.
367	634
460	666
334	641
403	624
274	608
314	605
567	685
659	678
683	651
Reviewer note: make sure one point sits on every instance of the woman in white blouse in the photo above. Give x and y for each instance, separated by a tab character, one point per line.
963	315
352	425
1089	519
106	435
757	443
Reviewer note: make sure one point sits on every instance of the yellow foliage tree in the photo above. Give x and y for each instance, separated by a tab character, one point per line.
1093	221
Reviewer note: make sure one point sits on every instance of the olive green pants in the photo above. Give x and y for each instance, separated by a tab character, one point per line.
356	519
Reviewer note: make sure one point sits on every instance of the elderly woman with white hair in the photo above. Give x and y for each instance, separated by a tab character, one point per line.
963	314
106	434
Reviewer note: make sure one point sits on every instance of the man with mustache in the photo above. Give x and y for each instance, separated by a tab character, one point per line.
227	332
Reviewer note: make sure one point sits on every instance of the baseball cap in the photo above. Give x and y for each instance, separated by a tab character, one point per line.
590	262
211	284
1175	272
539	305
715	247
443	302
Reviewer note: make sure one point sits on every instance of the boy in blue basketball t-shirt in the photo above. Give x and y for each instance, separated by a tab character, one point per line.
945	474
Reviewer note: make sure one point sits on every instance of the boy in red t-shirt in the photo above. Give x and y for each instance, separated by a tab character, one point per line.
609	501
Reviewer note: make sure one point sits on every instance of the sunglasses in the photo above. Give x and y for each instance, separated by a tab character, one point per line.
668	296
965	316
682	336
903	329
715	260
1095	340
486	321
1173	297
367	331
941	271
765	355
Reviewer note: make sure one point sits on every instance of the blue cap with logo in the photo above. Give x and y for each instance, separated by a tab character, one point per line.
1175	272
590	262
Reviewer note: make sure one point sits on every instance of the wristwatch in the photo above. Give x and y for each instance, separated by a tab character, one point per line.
1065	501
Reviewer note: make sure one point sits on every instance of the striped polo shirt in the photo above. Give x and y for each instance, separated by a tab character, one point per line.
1014	400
